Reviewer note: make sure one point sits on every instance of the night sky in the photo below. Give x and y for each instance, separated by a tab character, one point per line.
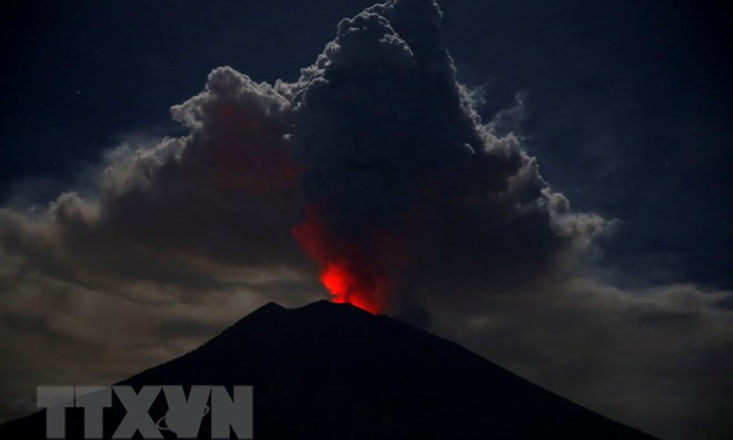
613	288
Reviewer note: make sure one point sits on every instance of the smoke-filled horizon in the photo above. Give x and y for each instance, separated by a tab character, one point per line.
372	179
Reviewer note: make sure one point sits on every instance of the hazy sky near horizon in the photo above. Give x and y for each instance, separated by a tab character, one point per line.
624	105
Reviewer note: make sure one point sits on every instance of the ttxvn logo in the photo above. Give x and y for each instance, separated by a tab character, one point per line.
183	417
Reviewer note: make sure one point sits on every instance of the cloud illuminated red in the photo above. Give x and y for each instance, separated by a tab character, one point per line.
347	272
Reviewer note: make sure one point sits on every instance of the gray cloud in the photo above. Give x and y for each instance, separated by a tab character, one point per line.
657	358
223	194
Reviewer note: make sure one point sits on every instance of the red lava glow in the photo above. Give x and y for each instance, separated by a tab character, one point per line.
346	271
348	286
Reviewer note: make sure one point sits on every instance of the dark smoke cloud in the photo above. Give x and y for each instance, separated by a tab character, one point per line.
391	142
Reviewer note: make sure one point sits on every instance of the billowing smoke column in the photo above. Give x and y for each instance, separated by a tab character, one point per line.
393	148
378	117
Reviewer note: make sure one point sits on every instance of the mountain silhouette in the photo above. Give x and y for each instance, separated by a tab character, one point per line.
333	371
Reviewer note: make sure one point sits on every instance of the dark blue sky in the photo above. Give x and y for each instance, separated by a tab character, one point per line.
627	103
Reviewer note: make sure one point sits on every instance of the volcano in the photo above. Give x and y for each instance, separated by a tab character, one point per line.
334	371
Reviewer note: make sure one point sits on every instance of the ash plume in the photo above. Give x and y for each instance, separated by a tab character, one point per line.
375	161
403	183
